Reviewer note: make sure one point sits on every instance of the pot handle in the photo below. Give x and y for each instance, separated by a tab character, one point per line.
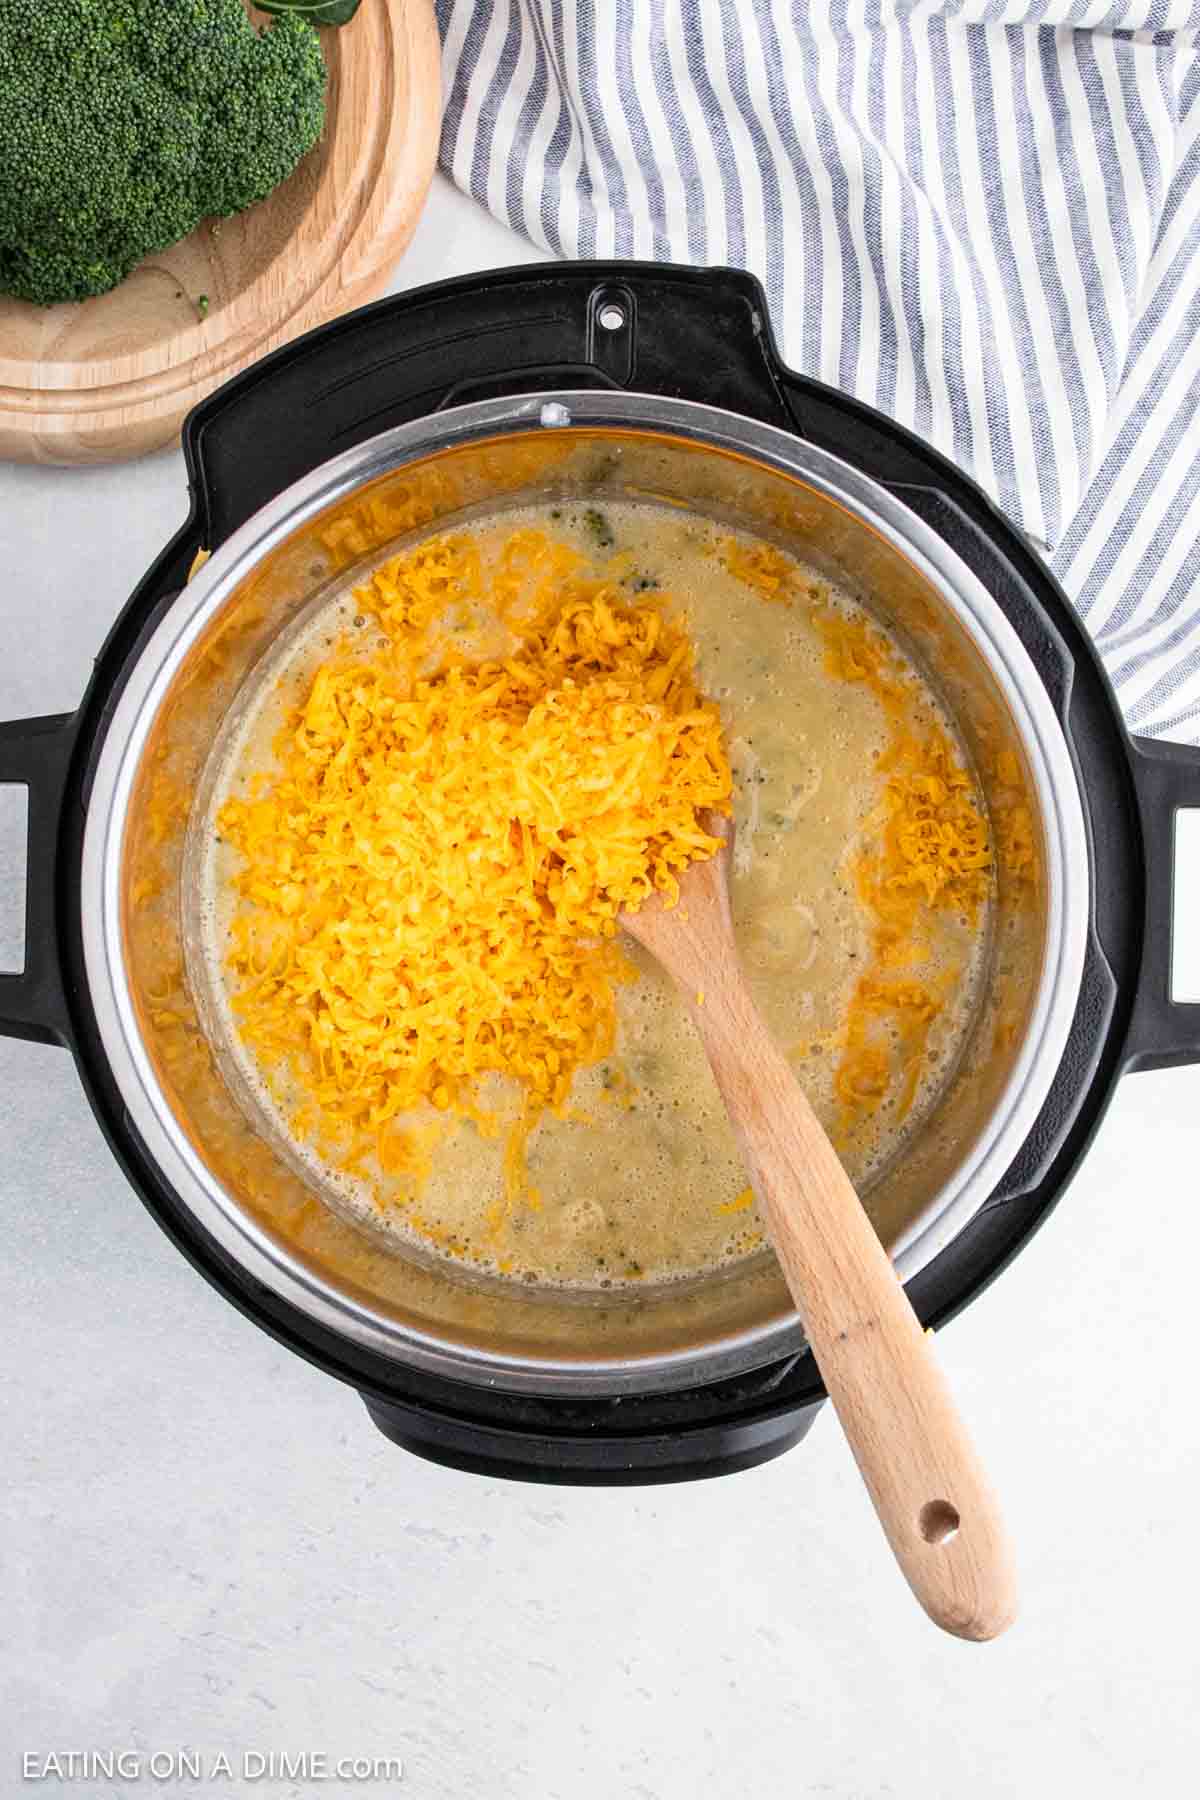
36	754
1165	1029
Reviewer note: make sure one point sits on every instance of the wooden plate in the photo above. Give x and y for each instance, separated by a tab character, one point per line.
114	377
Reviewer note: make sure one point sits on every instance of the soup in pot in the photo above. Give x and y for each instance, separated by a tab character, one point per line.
861	888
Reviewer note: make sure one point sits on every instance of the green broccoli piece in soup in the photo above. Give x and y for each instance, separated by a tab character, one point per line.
124	123
598	527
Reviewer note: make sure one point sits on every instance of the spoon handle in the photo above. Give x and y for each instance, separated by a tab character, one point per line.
933	1499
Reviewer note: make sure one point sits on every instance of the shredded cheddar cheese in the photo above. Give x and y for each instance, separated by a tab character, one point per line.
768	571
926	848
432	873
854	651
865	1071
927	844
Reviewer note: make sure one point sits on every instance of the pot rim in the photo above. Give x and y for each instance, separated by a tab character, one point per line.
1067	879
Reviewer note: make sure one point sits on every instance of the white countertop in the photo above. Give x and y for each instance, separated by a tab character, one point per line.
205	1543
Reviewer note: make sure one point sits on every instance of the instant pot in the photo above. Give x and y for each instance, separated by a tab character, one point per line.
618	380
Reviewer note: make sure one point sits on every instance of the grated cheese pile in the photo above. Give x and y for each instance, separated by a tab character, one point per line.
433	870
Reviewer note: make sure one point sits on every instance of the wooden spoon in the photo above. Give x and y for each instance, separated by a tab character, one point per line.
933	1498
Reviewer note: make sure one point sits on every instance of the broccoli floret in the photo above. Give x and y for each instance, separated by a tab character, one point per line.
123	123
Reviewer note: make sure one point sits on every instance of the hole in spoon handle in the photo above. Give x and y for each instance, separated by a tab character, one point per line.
938	1521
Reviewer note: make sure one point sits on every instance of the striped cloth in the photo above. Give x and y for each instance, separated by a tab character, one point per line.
982	216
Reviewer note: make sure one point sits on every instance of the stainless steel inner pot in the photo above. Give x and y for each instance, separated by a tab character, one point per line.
136	904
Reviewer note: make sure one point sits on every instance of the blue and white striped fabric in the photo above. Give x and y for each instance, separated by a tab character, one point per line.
982	216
